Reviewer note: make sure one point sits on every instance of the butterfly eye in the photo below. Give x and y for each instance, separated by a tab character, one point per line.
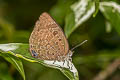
34	53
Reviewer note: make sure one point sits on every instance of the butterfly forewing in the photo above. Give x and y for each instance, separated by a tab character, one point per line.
47	41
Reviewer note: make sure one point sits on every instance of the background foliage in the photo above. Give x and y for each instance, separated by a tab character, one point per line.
17	19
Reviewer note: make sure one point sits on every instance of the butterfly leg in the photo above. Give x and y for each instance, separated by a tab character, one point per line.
71	67
54	61
63	62
68	64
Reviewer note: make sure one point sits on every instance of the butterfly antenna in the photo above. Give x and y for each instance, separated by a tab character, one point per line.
79	45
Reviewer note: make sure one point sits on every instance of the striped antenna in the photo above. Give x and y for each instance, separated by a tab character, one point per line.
79	45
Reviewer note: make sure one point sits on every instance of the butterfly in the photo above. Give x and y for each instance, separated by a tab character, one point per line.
48	41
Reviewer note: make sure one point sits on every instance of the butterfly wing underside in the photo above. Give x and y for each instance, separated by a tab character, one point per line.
47	41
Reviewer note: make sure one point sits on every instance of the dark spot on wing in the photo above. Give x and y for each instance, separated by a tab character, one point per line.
55	33
34	54
59	39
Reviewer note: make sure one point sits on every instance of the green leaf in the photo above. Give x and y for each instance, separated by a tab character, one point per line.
68	74
111	11
4	72
80	12
19	50
12	59
58	11
16	62
96	7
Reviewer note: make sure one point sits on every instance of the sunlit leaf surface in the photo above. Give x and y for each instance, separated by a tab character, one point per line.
80	12
111	11
14	51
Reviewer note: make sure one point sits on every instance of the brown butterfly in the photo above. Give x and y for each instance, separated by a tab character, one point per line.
47	40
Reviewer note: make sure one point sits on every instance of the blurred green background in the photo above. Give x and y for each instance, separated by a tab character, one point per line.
17	19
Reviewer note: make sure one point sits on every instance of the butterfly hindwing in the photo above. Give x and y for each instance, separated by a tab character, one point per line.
48	39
